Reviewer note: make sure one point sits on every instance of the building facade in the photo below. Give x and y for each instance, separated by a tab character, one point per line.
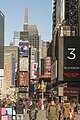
9	53
44	48
16	38
2	18
53	14
67	25
79	16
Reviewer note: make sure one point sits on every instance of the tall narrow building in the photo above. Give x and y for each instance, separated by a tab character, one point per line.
25	26
16	38
30	33
1	40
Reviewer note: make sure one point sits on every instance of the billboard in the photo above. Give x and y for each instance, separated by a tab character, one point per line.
71	58
23	79
54	70
23	90
1	72
24	49
34	70
47	65
23	64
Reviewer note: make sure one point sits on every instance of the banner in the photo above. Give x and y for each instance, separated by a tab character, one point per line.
72	58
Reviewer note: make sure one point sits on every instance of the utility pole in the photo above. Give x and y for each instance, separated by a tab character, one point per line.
42	95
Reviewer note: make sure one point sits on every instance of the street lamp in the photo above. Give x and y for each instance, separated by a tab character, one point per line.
42	94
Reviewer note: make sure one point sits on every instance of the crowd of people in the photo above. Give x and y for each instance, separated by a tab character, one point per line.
55	110
61	111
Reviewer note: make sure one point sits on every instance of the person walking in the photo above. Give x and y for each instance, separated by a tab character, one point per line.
66	111
19	109
32	111
52	112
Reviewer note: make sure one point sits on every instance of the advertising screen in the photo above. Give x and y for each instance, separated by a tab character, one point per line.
34	70
71	58
23	78
24	49
23	63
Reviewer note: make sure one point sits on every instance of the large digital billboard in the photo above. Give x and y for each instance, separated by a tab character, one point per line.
24	49
71	58
34	70
23	64
23	79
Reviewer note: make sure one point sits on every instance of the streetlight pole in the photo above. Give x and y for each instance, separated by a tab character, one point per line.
42	95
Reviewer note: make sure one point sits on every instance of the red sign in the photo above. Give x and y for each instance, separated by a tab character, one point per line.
72	74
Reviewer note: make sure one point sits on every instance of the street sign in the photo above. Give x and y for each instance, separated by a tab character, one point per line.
60	91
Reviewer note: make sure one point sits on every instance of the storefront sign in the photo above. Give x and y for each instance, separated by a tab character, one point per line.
71	58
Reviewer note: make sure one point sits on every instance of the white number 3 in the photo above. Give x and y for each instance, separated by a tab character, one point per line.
73	56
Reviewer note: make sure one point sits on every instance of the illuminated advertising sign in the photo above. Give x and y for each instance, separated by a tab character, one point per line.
23	63
71	58
34	70
5	112
23	78
24	49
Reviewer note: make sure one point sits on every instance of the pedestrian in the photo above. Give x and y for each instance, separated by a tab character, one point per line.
26	103
39	104
66	110
32	111
52	112
59	108
19	109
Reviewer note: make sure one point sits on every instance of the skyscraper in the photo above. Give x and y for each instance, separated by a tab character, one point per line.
25	26
1	40
16	38
30	33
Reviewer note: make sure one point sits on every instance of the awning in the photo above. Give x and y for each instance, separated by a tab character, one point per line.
44	76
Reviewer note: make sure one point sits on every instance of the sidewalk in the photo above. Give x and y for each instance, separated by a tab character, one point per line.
77	117
40	115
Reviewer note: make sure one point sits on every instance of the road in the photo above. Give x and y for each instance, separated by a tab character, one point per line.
41	116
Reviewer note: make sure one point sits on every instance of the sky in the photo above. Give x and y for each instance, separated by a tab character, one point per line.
39	13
